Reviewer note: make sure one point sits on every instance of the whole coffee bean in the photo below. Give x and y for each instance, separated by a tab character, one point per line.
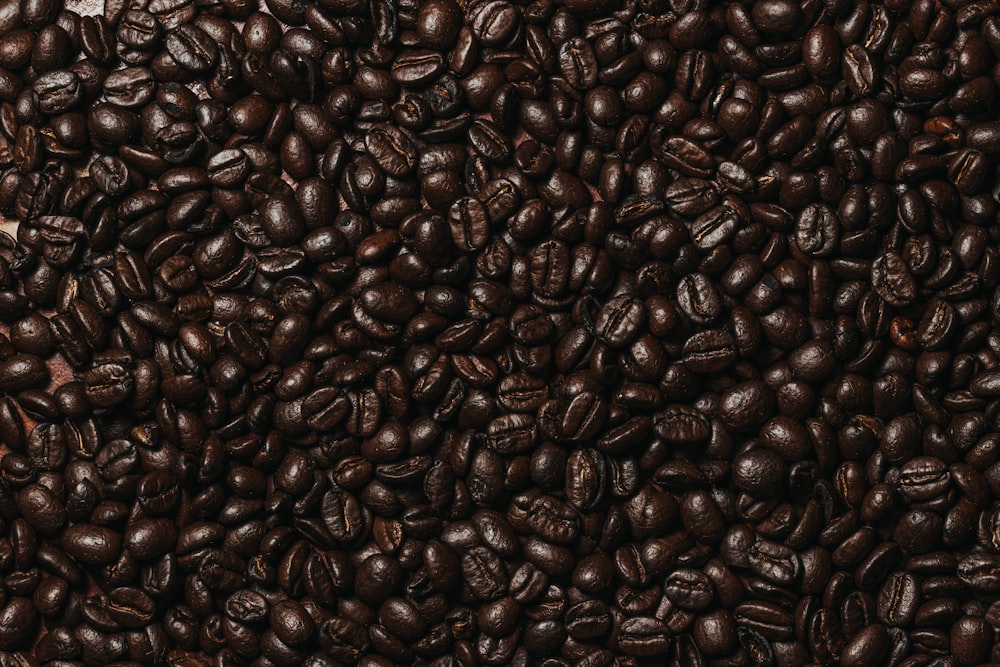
644	636
291	623
970	639
698	298
821	51
689	589
92	545
438	23
898	599
892	280
484	573
41	508
709	351
976	571
817	230
760	472
774	562
392	149
923	478
57	91
191	48
746	405
23	371
682	425
130	607
148	538
872	643
20	623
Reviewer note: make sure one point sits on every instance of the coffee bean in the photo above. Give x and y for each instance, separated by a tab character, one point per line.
57	91
23	371
149	538
746	405
682	425
760	472
709	351
92	545
898	599
689	589
821	51
698	298
923	478
817	231
20	623
392	149
892	280
41	508
644	636
417	68
438	23
977	571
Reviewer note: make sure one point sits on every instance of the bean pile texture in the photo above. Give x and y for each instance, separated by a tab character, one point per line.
563	333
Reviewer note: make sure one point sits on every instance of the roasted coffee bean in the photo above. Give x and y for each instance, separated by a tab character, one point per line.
618	322
689	589
746	405
892	280
23	371
923	478
681	424
644	636
774	562
698	298
150	538
484	573
20	619
760	472
392	149
978	572
709	351
898	599
41	508
817	230
57	91
92	544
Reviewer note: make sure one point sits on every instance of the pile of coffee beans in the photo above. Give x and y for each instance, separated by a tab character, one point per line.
500	332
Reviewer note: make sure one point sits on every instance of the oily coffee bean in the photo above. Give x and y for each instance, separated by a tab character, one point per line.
644	636
57	91
191	47
681	424
689	589
392	149
131	87
892	280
